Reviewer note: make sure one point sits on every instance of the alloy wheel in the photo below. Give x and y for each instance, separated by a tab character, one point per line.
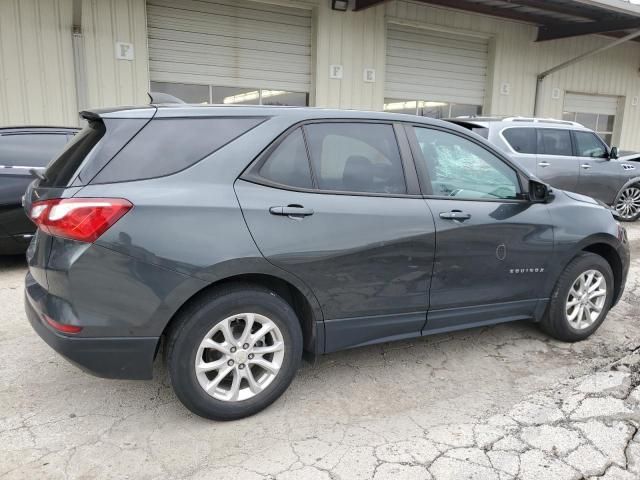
586	299
239	357
628	203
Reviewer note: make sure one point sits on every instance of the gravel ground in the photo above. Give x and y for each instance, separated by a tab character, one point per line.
501	402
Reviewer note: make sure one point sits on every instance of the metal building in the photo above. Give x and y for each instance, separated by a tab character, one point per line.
432	57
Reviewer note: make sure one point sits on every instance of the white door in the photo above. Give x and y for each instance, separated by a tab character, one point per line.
424	65
230	43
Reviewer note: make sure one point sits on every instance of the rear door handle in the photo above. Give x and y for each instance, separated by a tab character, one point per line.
291	211
586	166
544	164
455	215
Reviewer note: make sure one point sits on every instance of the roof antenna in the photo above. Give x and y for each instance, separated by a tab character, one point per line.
159	97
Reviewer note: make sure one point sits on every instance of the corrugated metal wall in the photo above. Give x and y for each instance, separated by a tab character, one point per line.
111	81
516	60
36	63
355	40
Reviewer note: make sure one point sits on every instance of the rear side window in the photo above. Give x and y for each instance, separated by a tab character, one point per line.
356	157
288	164
30	149
62	169
554	142
522	140
589	145
166	146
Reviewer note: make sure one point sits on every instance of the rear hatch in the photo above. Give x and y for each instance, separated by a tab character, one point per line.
105	134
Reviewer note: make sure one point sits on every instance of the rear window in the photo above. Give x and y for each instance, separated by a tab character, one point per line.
62	169
522	140
166	146
30	149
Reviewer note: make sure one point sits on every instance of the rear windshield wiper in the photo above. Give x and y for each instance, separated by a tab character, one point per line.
38	174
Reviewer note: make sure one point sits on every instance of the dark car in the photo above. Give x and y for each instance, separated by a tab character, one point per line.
243	236
23	149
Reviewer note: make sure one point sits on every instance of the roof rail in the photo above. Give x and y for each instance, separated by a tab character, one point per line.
541	120
160	97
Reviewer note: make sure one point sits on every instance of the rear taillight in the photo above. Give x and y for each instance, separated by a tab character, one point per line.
82	219
61	327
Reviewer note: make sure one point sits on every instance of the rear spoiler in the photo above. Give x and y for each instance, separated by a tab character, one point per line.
147	111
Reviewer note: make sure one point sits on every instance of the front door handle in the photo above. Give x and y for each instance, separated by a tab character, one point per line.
291	211
455	215
586	166
544	164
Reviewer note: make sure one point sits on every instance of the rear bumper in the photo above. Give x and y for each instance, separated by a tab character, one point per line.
109	357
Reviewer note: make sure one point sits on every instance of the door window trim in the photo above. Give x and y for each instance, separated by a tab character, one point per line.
251	173
427	189
574	142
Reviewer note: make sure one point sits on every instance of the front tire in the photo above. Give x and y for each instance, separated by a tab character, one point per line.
233	352
628	203
581	299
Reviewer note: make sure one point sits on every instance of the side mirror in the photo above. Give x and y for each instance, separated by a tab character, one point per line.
539	192
613	153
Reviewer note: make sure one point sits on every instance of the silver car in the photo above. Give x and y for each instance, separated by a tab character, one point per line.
567	156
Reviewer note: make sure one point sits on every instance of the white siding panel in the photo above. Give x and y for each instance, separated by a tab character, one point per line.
581	103
230	43
430	65
37	85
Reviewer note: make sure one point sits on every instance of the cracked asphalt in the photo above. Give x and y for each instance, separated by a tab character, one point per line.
501	402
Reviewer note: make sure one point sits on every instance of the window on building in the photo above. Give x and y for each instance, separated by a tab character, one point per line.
600	123
459	168
356	157
554	142
194	93
431	109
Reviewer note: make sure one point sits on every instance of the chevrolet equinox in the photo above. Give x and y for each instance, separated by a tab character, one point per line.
241	237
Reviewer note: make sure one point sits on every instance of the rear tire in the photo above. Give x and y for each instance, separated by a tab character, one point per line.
222	364
581	299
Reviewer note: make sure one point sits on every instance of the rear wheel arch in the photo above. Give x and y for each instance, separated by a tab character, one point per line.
306	309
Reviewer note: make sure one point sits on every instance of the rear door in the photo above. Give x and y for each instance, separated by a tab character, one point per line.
556	163
600	177
336	204
20	152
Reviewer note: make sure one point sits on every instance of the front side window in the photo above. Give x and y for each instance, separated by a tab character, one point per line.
554	142
589	145
459	168
522	140
288	164
356	157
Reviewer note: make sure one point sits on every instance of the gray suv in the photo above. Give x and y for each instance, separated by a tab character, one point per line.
241	237
567	156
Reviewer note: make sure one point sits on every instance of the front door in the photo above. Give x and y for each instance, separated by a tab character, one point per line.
345	224
600	177
492	247
556	164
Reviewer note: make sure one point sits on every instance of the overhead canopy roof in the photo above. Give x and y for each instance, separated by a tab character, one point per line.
555	18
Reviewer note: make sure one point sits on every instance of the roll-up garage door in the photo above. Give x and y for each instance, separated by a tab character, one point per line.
235	43
428	65
583	103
